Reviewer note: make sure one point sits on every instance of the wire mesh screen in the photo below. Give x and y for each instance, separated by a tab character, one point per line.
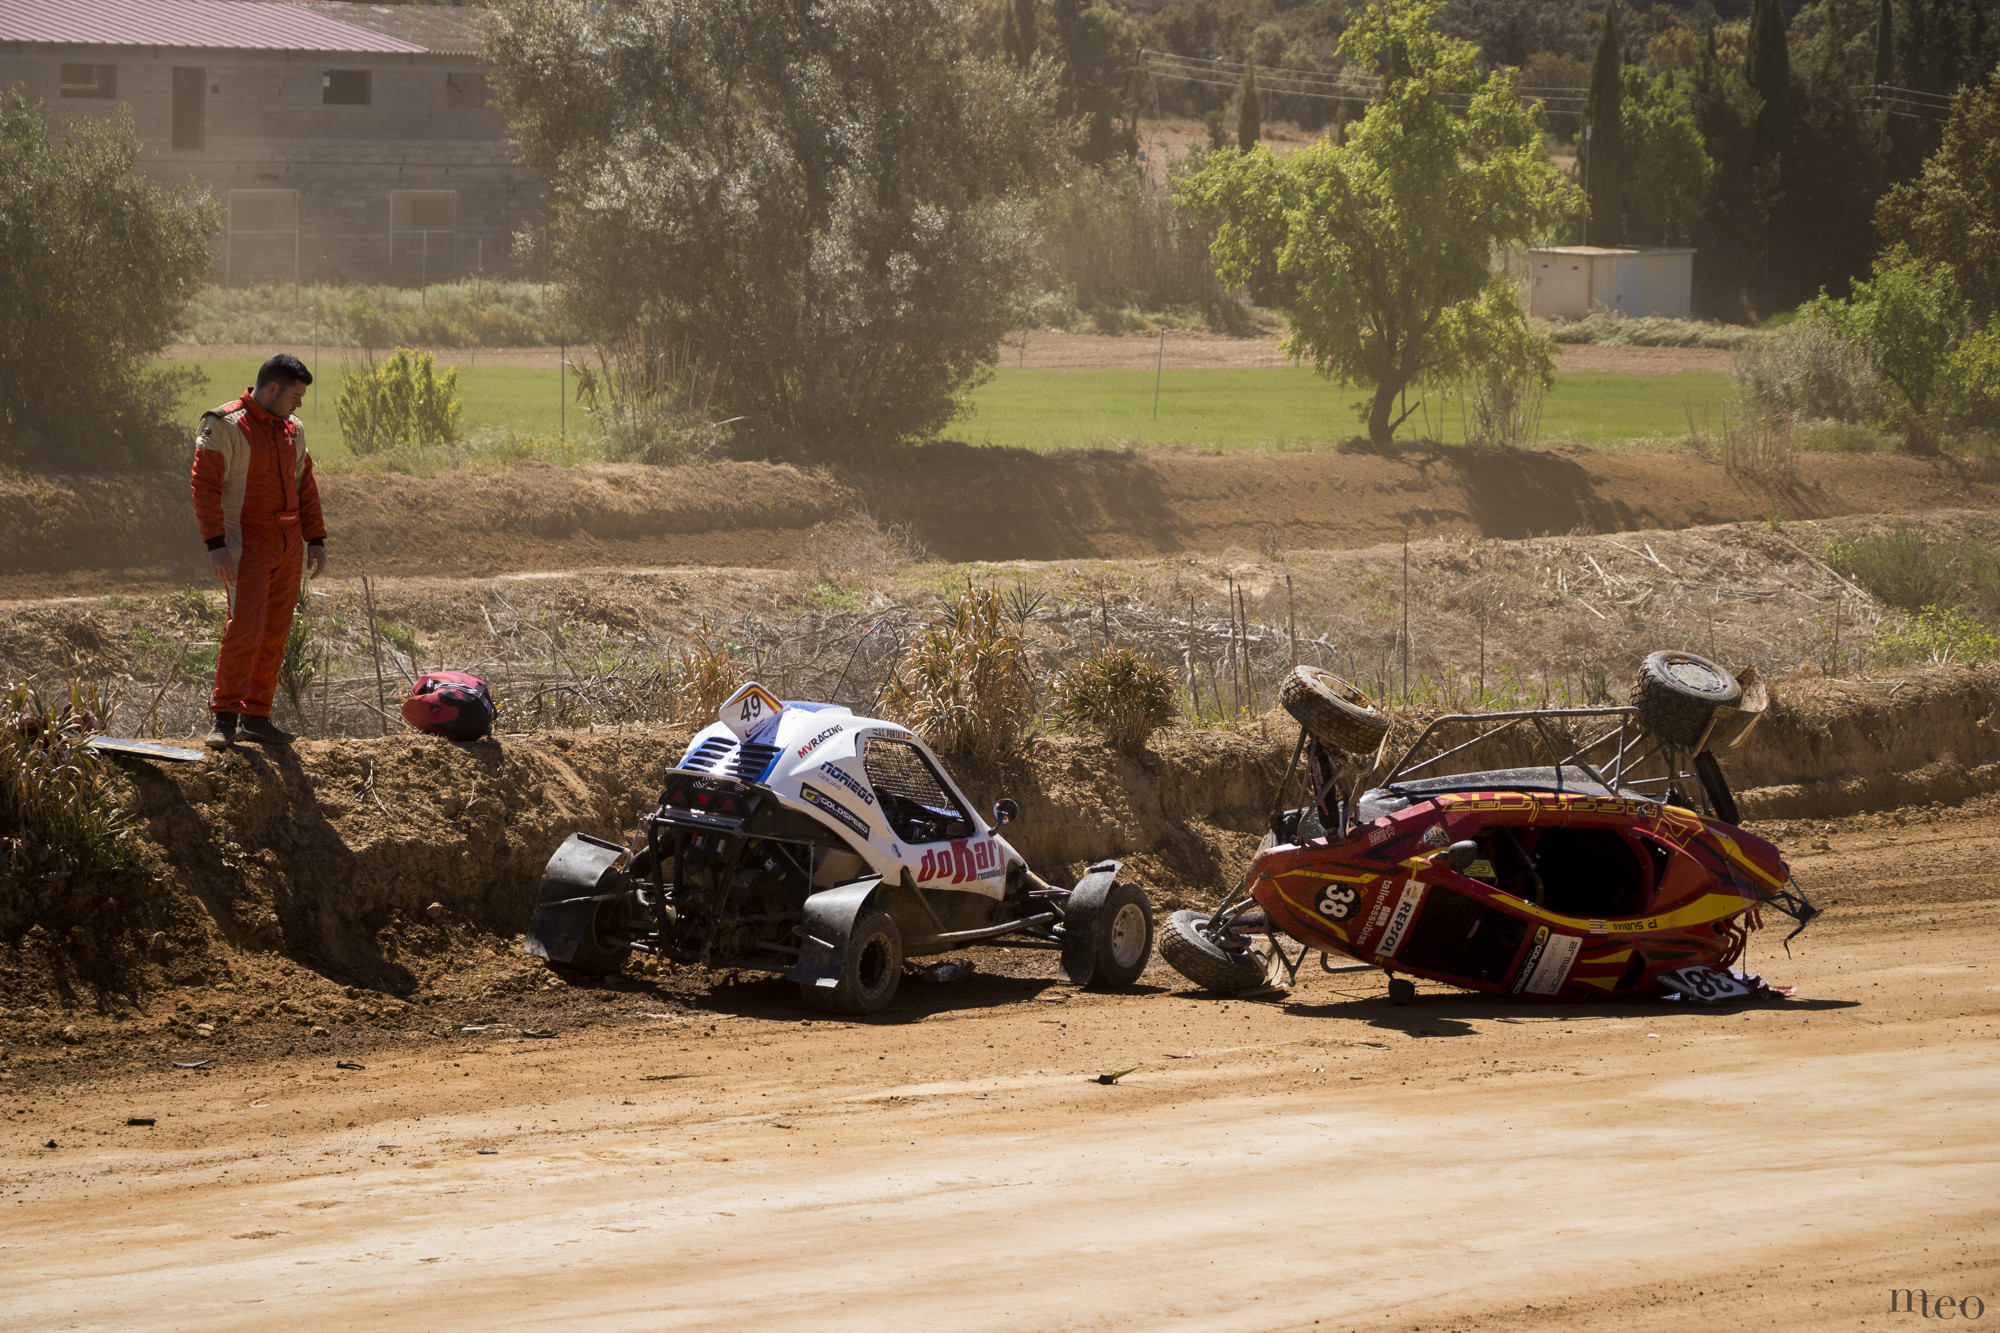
914	799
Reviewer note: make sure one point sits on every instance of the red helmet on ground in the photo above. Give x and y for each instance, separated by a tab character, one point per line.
452	704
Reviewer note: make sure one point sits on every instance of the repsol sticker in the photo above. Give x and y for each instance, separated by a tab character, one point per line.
1528	964
825	804
962	860
849	781
1400	918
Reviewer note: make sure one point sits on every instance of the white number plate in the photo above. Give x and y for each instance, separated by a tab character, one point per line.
1707	985
748	709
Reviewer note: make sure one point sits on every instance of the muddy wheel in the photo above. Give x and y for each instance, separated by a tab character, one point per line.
1196	955
1107	933
1333	712
604	947
868	977
1677	693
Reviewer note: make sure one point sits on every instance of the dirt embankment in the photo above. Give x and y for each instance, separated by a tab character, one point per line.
334	855
84	535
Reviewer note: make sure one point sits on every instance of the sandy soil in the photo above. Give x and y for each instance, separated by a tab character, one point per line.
1051	349
1321	1160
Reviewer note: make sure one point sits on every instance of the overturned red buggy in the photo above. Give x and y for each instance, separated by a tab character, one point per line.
1614	872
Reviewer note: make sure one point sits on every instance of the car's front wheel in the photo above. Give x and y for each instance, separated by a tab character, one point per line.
1197	955
1108	935
870	972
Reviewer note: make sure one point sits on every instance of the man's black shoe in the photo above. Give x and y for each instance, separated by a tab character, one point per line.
222	734
263	730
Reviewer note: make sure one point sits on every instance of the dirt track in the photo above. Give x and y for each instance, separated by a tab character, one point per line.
1323	1159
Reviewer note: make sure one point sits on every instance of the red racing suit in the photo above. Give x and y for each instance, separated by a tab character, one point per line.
254	493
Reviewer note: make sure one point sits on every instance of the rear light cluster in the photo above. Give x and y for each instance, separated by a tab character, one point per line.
709	798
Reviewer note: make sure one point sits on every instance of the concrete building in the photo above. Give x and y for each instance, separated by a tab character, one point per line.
1572	281
350	142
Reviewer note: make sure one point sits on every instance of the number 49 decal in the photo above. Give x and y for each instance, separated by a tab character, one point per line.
748	709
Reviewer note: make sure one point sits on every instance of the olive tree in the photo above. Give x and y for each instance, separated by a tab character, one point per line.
827	203
97	266
1390	236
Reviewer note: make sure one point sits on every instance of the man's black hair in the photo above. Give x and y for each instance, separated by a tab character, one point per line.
286	369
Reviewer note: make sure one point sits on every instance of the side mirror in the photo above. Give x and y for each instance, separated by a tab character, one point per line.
1463	854
1005	812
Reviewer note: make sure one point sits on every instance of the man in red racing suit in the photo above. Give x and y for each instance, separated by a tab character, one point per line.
258	506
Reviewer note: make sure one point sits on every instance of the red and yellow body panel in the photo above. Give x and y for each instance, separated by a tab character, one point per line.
1383	895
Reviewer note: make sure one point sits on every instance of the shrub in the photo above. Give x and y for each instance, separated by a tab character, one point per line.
400	404
1118	694
960	685
96	267
1936	636
59	825
708	674
1809	370
1908	569
650	407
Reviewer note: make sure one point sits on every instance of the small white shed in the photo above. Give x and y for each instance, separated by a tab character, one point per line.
1572	281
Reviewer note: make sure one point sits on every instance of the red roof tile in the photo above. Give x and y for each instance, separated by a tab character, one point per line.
260	25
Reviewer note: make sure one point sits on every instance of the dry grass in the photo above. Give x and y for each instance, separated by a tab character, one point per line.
960	685
58	822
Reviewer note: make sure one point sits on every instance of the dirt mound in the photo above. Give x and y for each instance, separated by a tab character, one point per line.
65	535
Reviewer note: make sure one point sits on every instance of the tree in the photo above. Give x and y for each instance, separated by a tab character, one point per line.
1951	212
97	267
1839	168
1736	213
1017	32
1667	168
1910	320
1768	66
1390	235
1885	44
1249	114
1604	145
828	201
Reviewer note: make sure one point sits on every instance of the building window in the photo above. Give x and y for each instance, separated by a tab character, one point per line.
89	81
189	100
466	90
344	87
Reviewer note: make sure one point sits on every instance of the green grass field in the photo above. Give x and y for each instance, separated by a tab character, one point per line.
1048	409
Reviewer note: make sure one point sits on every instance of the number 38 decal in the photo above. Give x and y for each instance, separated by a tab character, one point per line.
1336	902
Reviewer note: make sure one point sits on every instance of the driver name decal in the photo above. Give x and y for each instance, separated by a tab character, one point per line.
964	859
1399	920
825	804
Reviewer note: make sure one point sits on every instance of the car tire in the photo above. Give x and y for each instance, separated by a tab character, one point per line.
1677	693
603	949
870	972
1186	944
1402	991
1333	712
1107	935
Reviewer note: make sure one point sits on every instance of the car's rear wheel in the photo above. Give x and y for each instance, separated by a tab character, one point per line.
605	946
1197	955
870	972
1333	712
1677	693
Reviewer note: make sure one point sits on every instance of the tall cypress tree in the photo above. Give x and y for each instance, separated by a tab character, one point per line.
1885	43
1768	65
1017	32
1249	113
1604	150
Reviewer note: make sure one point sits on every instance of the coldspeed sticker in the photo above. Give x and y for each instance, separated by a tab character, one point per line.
1553	970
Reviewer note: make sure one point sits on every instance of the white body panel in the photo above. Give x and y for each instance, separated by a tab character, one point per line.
819	768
